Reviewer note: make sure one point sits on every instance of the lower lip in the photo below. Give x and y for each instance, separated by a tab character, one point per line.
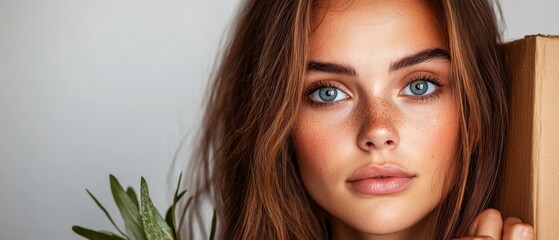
381	186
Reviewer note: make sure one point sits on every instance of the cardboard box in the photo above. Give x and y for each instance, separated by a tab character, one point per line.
530	184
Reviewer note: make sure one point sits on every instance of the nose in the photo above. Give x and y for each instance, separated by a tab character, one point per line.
378	129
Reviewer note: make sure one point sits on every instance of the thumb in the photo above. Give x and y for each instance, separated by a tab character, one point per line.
488	223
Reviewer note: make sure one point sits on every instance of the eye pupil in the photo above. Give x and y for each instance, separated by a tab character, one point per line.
328	94
419	87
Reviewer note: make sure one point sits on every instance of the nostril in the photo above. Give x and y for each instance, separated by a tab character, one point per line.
378	138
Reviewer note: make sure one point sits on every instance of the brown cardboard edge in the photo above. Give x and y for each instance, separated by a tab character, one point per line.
528	37
541	35
511	196
524	60
547	83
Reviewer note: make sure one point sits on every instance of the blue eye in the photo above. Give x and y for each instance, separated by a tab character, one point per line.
328	94
419	88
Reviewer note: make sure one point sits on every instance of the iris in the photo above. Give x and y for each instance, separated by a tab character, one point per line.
328	94
419	87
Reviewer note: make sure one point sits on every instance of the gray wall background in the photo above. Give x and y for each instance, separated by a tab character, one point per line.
89	88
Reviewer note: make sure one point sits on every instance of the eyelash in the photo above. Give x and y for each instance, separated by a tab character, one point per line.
428	78
318	85
421	99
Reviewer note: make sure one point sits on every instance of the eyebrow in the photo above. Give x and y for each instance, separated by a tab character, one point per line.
423	56
326	67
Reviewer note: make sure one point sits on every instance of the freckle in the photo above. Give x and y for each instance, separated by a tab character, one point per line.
392	111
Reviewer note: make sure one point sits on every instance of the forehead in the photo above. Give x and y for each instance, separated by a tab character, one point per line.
382	9
374	30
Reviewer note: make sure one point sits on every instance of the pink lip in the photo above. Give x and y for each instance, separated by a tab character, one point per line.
388	179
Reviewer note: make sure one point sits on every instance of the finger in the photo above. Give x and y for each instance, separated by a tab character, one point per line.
488	223
515	229
508	226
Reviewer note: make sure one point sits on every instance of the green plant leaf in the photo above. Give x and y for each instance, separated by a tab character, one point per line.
184	212
214	225
172	218
128	210
105	211
134	197
168	216
178	197
95	235
155	226
132	194
177	189
170	221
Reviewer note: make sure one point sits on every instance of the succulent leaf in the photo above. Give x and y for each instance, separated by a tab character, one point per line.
133	196
155	226
169	220
106	212
141	218
95	235
184	212
128	210
214	225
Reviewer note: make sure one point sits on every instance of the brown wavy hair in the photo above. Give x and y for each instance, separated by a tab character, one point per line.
245	163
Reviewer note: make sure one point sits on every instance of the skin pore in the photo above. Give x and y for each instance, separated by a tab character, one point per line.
377	134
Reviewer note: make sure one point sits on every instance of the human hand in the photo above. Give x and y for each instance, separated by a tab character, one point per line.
489	225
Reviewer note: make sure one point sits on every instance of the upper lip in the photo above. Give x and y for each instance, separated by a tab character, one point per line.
380	172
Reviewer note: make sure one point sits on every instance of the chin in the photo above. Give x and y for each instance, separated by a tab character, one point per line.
387	221
387	227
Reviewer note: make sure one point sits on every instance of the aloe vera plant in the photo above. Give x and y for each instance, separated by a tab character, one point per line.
141	219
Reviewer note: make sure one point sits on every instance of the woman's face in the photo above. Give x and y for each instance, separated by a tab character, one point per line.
377	136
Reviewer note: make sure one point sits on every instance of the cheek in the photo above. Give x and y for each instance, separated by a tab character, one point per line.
440	136
311	149
321	144
436	137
